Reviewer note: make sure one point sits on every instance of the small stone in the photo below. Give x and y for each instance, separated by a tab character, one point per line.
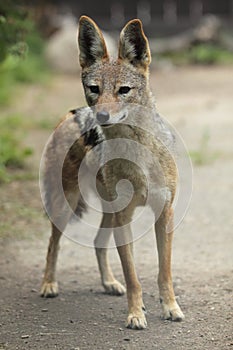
25	336
44	310
126	339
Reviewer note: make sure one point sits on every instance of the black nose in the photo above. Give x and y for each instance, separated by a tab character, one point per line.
102	117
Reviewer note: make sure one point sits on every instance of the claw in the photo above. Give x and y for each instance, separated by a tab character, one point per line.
136	321
172	312
49	290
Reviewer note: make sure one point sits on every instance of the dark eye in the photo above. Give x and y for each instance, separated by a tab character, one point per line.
124	90
94	89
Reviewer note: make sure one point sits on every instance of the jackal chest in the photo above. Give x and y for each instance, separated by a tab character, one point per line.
130	170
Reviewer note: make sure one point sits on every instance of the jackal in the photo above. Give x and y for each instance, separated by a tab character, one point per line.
121	106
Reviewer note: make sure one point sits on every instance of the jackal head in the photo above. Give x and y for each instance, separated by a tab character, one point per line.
111	84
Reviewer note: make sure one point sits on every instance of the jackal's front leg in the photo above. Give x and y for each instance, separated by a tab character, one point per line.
136	317
164	236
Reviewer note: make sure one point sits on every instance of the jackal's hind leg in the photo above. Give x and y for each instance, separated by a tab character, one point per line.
60	216
110	284
49	286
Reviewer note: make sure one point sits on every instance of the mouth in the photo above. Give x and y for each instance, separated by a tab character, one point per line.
123	117
114	121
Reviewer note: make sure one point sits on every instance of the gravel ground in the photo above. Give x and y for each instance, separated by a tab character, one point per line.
82	316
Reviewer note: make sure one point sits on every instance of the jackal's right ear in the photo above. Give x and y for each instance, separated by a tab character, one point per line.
91	42
134	46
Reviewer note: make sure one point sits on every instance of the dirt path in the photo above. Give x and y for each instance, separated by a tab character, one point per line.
83	317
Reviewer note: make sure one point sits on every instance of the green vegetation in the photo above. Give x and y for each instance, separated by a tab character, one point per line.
12	153
14	25
21	62
201	54
45	124
202	155
21	51
210	54
27	217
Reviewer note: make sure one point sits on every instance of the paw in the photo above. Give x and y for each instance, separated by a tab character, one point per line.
114	288
136	321
49	289
172	312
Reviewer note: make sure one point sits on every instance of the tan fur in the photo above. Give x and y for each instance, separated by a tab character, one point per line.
130	69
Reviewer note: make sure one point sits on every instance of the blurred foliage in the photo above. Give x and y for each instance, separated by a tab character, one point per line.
21	50
15	26
200	54
12	153
210	54
21	62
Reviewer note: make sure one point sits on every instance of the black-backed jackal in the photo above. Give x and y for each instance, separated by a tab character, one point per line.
111	86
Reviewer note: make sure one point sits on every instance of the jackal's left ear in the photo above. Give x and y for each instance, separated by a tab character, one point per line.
134	45
91	43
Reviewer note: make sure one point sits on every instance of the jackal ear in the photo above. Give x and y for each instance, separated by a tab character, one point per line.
134	45
91	43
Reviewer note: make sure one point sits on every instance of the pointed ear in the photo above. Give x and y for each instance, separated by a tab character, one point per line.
134	45
91	43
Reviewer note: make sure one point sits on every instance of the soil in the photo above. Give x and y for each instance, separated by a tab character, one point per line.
82	316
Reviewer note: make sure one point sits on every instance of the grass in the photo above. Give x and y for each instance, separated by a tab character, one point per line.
27	68
205	54
12	152
203	155
16	70
27	218
45	124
